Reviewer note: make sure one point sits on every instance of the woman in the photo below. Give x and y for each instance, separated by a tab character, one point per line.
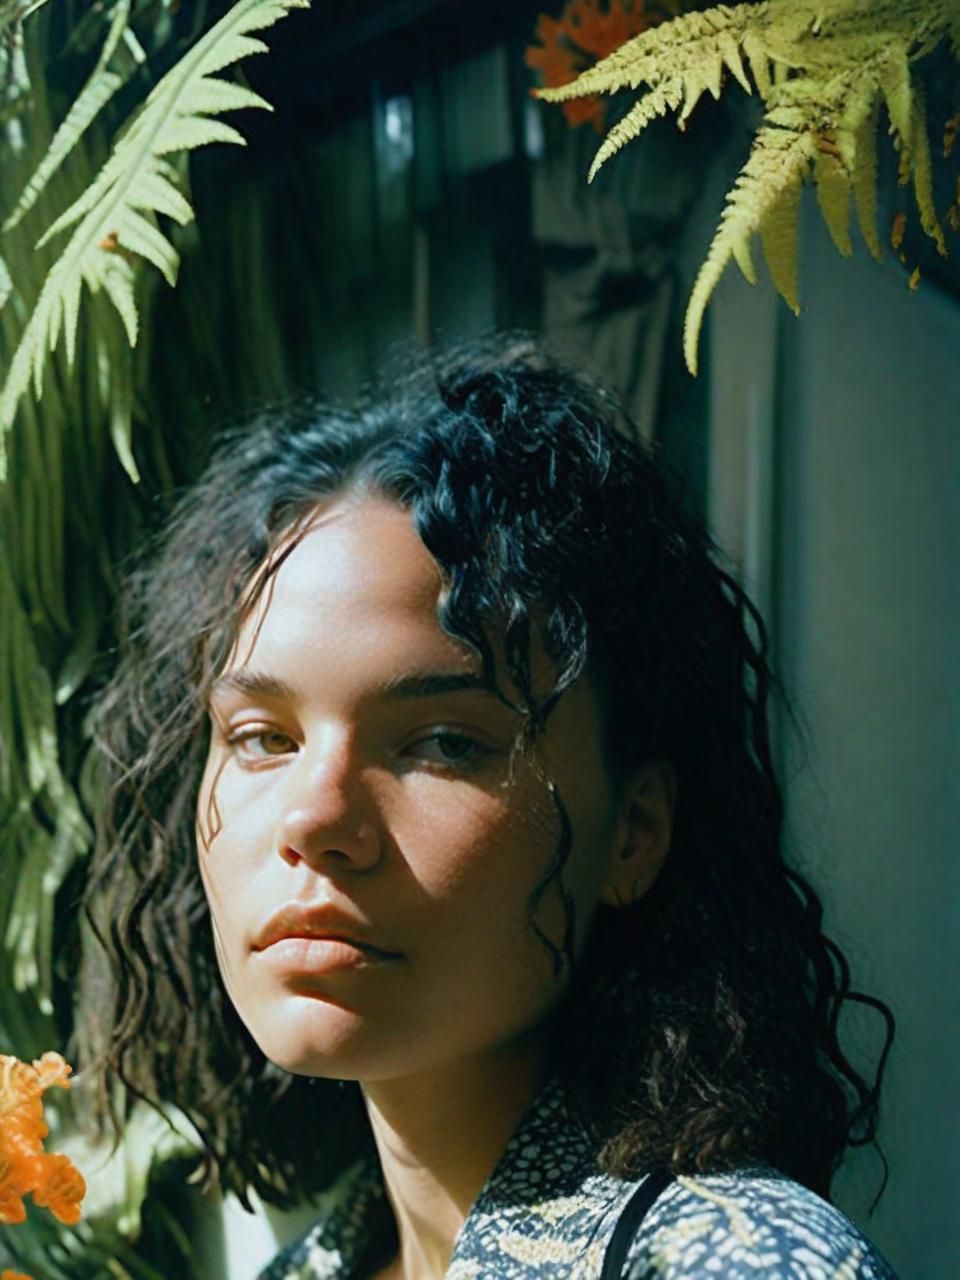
441	866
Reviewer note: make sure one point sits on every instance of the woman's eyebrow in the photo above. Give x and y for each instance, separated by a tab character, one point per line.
414	684
431	684
254	683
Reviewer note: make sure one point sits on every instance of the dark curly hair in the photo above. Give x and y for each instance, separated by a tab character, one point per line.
699	1027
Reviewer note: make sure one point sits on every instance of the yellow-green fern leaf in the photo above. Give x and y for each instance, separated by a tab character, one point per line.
922	175
117	212
897	90
932	21
708	74
778	160
778	233
855	105
730	53
865	179
684	46
789	30
838	20
744	260
953	26
657	102
833	197
95	94
759	59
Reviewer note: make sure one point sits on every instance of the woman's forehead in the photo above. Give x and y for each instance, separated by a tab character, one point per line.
352	579
351	573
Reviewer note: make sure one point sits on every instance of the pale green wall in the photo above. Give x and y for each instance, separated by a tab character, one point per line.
835	477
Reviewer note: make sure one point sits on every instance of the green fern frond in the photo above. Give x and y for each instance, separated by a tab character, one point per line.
96	93
897	90
691	45
778	161
833	197
864	169
45	859
744	260
953	29
856	109
778	234
117	212
707	76
755	48
922	173
834	110
821	67
730	53
119	400
667	96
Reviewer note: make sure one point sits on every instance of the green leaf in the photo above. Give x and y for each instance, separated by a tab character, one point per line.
778	233
897	90
196	131
865	181
833	197
744	260
6	284
759	60
122	201
692	46
708	75
777	163
730	52
140	235
81	114
117	281
657	102
160	194
99	89
121	423
922	174
211	96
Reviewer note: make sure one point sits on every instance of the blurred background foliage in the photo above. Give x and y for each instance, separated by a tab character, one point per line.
405	187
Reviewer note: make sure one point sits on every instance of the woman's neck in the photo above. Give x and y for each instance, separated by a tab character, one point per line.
438	1136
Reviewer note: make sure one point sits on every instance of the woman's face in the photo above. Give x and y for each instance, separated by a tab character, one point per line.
359	784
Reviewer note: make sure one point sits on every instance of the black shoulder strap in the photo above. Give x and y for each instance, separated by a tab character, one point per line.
633	1214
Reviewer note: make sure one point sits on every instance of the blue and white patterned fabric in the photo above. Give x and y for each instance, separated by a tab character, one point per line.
546	1212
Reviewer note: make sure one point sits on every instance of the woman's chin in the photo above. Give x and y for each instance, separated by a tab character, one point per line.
310	1036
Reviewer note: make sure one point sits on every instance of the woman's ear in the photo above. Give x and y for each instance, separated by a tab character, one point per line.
649	798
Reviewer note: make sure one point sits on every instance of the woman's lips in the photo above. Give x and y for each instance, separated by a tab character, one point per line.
319	921
318	955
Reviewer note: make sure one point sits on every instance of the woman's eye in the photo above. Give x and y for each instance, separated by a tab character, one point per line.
261	744
449	748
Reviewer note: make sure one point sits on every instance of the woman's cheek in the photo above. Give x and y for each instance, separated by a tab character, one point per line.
235	805
452	853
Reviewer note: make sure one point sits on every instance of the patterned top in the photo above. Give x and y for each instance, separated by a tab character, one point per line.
546	1212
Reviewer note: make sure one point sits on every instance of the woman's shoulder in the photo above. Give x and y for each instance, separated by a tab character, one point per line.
751	1224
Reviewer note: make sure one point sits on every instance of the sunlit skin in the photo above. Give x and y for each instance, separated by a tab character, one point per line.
324	785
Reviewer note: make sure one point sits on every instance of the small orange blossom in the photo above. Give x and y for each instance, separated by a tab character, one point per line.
25	1168
586	31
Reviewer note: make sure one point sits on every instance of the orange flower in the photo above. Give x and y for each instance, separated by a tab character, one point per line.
586	32
25	1168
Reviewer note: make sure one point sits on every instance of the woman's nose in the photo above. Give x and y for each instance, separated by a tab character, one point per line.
328	819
